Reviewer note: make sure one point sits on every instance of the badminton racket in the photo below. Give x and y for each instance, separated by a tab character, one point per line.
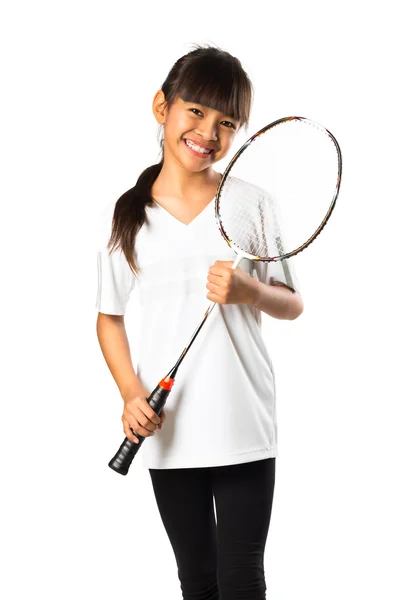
287	175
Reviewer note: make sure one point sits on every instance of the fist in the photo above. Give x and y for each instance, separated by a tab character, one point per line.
140	417
230	286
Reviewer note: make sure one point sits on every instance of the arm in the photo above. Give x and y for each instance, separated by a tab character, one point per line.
277	300
114	345
227	286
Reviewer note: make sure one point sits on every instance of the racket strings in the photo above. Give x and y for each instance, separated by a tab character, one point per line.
248	214
288	175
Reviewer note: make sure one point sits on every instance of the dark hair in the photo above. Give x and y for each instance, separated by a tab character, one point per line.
208	76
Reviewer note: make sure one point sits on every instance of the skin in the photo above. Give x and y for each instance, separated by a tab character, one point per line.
186	184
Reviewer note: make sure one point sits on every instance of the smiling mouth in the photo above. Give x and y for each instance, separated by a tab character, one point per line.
198	149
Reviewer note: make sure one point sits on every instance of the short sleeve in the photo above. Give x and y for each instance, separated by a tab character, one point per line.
115	282
280	271
115	279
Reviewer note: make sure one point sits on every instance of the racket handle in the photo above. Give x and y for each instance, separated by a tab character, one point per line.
128	449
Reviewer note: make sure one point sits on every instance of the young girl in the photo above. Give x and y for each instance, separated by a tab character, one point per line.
219	439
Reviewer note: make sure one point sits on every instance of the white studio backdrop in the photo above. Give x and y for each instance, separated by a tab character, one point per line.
77	129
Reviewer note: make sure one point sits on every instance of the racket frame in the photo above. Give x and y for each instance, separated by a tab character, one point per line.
236	157
128	449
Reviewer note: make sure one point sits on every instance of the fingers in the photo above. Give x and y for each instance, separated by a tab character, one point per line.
151	418
217	279
214	298
162	417
139	416
132	427
219	288
213	287
220	272
223	263
129	432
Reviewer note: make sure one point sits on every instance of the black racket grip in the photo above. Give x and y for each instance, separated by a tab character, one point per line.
128	449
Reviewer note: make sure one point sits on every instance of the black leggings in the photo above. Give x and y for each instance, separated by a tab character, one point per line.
220	560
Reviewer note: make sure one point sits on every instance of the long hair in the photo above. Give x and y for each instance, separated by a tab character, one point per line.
208	76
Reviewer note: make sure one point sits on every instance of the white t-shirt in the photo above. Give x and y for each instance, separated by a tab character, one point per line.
221	409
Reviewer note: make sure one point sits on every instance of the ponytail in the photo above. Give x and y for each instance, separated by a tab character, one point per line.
130	214
208	76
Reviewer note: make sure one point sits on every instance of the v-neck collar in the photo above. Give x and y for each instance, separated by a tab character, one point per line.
181	222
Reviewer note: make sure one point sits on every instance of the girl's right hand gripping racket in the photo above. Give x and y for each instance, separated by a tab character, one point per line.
287	173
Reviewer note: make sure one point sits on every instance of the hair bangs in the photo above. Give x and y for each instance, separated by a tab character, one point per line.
222	88
208	76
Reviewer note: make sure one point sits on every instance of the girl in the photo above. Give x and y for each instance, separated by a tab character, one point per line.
220	436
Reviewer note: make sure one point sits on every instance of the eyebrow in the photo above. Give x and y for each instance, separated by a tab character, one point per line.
210	108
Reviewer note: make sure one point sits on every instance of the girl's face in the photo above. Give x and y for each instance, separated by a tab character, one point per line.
195	135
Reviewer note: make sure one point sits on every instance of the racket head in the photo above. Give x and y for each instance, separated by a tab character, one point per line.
289	172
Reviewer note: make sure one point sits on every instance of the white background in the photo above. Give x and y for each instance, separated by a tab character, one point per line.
78	80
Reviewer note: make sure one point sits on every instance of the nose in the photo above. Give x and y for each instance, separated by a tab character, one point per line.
208	130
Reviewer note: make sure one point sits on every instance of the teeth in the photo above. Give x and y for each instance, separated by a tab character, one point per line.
197	148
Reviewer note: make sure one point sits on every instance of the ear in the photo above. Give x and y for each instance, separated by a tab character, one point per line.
160	107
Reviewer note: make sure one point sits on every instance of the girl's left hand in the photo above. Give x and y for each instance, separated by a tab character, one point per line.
230	286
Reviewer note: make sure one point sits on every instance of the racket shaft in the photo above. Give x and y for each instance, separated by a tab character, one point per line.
128	449
157	399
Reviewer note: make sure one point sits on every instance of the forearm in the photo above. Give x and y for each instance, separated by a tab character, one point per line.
114	345
278	301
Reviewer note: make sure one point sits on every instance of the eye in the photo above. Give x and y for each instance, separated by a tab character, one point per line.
196	110
229	124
